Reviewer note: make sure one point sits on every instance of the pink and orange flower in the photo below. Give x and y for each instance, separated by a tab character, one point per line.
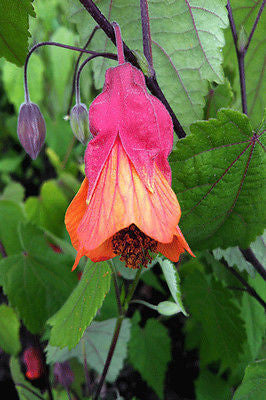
125	205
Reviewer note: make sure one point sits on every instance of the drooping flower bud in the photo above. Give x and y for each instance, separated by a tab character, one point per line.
79	121
33	362
31	129
63	374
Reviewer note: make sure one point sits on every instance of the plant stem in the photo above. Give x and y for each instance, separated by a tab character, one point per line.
64	46
250	257
240	59
76	68
241	52
255	25
130	57
116	333
251	291
110	355
86	371
117	291
241	67
146	34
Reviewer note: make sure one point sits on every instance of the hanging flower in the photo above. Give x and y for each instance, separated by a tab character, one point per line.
33	362
125	205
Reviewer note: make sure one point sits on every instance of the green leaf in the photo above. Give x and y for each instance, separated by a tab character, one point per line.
233	256
59	135
62	71
9	330
10	164
28	391
13	81
211	305
70	322
37	281
209	387
254	316
245	12
149	352
13	191
258	247
187	38
95	343
14	25
218	178
49	210
11	214
254	382
173	282
219	96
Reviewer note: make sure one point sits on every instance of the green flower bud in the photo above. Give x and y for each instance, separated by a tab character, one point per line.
79	121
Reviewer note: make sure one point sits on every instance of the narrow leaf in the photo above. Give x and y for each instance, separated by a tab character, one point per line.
70	322
173	282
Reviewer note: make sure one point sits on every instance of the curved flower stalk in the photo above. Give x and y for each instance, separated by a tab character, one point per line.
125	205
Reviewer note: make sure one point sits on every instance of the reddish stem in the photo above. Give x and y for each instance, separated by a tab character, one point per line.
119	44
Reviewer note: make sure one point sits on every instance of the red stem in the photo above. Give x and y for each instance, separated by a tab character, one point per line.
119	43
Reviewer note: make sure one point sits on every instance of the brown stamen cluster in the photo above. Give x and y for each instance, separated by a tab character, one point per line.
133	246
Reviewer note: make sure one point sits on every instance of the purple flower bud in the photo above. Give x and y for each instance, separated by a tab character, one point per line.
79	121
63	374
31	129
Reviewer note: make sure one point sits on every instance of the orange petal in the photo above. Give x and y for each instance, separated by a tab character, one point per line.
176	247
120	198
75	213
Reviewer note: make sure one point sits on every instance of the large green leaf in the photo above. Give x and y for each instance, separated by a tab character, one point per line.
245	12
14	24
218	178
211	305
9	330
70	322
95	344
254	382
187	37
209	387
37	281
11	214
149	352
